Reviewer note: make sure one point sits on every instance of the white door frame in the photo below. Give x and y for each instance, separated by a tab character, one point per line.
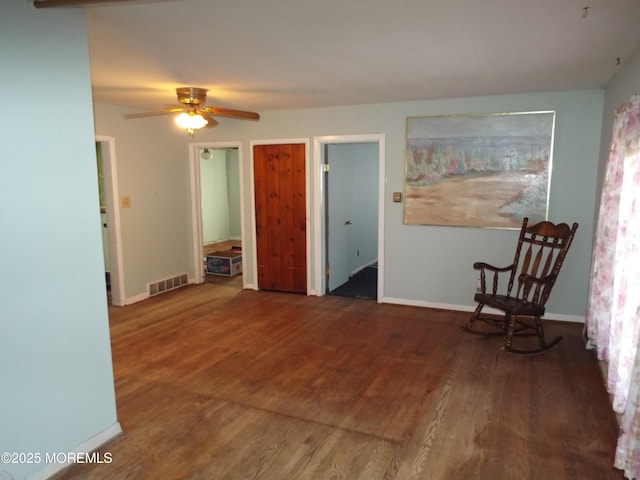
254	250
114	231
196	205
319	206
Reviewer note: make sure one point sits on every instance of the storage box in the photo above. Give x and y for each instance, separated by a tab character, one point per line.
223	263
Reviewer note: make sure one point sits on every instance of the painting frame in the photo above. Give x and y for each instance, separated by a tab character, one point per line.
478	170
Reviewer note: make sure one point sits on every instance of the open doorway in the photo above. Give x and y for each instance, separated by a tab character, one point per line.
217	217
220	207
350	226
220	200
110	219
351	219
103	220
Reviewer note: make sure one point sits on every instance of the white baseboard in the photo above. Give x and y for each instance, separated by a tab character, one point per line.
561	317
136	298
368	264
470	308
90	445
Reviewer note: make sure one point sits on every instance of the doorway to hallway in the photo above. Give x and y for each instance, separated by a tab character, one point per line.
350	172
350	226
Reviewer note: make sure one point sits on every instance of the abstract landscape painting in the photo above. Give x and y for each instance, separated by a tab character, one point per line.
478	170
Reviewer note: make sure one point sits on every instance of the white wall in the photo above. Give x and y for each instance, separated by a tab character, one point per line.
57	381
424	265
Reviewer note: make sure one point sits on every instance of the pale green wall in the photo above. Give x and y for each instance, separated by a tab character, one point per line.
54	348
365	201
233	185
423	265
357	201
433	265
214	197
152	164
619	90
220	195
55	357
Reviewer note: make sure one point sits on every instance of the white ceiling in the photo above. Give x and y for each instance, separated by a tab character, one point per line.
280	54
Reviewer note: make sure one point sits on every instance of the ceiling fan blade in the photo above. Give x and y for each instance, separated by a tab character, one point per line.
159	112
227	112
71	3
211	122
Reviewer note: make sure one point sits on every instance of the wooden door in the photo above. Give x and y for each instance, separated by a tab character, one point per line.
281	237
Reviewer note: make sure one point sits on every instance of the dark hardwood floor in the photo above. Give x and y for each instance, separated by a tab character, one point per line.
213	382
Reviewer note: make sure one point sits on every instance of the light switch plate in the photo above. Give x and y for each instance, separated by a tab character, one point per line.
397	197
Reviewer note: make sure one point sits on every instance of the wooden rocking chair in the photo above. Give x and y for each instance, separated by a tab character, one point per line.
546	246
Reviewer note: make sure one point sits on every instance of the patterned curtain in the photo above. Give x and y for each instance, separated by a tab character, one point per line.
613	314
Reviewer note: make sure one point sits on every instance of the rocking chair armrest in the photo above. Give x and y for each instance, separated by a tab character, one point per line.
496	270
486	266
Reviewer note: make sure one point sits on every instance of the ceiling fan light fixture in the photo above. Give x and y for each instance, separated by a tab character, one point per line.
191	121
195	115
206	154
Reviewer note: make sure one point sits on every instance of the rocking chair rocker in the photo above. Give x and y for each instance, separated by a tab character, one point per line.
546	246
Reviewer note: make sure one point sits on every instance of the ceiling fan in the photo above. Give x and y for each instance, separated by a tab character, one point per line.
194	114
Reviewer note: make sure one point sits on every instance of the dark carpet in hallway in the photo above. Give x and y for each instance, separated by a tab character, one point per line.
363	284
